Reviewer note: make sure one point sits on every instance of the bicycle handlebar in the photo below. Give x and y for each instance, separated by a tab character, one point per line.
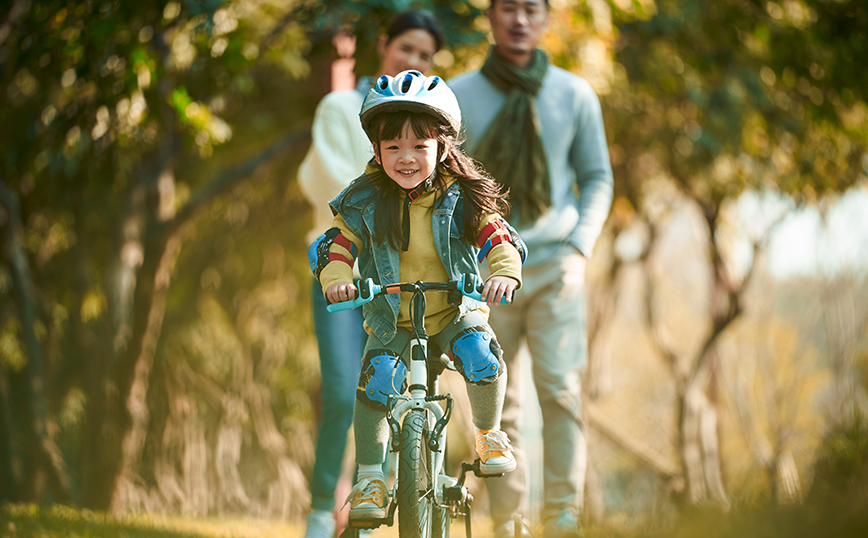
470	285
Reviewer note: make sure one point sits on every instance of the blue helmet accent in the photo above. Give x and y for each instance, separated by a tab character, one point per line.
477	355
411	90
383	374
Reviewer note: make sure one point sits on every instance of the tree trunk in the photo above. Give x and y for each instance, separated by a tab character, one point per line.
10	458
139	250
137	405
119	420
49	456
787	487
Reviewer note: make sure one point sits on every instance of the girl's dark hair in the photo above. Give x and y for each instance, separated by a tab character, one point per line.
415	19
482	194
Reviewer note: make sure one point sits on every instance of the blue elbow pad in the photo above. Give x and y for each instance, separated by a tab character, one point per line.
318	251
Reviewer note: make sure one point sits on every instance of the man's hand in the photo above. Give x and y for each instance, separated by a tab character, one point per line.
340	292
497	288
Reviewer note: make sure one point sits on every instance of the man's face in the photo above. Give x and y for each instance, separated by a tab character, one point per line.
518	26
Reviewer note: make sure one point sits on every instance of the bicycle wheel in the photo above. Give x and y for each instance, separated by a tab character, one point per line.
440	522
415	480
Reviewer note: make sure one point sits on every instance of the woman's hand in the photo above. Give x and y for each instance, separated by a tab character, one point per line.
497	288
340	292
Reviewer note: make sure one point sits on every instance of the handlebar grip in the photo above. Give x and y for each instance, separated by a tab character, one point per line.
367	290
470	285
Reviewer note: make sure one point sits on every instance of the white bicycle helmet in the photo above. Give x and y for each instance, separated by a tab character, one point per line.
411	90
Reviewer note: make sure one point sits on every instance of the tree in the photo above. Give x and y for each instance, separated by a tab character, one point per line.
718	98
125	127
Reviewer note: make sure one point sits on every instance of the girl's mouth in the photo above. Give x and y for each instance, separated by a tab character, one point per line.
407	172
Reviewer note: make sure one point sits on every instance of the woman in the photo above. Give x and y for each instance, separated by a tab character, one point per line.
339	152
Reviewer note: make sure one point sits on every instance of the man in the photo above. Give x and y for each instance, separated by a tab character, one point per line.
539	130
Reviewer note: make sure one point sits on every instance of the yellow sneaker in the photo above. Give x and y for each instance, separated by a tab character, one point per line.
495	452
368	500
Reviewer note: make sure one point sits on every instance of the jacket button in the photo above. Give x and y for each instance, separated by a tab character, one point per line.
442	221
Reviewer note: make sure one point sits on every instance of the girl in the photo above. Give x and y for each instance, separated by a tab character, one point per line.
418	213
338	153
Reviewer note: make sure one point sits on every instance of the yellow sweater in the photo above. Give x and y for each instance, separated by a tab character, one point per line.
421	262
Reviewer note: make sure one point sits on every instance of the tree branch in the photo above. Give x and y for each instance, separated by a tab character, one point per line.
226	180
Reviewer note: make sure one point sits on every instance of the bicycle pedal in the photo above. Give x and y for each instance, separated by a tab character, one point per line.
478	472
365	525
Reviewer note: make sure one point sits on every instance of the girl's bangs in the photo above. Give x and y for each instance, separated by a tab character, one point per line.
424	126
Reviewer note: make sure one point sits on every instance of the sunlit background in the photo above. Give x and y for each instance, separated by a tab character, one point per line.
156	346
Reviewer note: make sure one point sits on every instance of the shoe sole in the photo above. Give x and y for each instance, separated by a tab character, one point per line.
488	469
367	514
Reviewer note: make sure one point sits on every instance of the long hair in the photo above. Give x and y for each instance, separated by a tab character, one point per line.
482	194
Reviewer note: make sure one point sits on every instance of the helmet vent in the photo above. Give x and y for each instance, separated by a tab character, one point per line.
383	83
434	81
405	84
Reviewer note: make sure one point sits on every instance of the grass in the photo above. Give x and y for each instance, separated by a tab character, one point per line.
32	521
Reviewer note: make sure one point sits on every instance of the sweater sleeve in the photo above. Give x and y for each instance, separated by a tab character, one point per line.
339	272
589	157
339	149
503	259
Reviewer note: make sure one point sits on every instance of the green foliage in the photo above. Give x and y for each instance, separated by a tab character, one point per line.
841	471
760	82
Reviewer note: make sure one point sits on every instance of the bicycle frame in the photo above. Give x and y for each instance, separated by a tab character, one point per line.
420	396
448	492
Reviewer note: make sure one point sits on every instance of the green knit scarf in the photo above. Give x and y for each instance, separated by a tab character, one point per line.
512	149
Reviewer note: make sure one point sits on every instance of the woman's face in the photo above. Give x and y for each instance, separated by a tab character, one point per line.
413	49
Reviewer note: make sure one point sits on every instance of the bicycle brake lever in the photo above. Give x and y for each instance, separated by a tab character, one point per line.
470	285
367	291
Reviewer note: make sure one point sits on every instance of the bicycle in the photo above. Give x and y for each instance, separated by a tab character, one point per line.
425	498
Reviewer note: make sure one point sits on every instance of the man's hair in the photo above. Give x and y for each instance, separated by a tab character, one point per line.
412	20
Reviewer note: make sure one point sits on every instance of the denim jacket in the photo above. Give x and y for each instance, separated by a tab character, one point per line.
380	261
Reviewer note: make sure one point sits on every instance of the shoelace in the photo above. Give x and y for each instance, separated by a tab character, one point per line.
497	441
372	496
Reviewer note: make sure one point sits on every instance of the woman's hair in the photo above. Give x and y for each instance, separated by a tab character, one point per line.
482	194
415	19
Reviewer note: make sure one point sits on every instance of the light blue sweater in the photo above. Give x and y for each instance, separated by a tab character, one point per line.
576	152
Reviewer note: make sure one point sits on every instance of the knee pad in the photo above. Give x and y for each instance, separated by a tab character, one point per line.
383	374
477	355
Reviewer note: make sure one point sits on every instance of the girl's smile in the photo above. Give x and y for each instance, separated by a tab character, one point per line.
408	160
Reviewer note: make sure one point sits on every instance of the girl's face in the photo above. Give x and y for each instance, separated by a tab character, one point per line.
413	49
408	159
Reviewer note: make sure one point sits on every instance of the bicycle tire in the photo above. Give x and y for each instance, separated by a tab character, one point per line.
440	522
415	480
